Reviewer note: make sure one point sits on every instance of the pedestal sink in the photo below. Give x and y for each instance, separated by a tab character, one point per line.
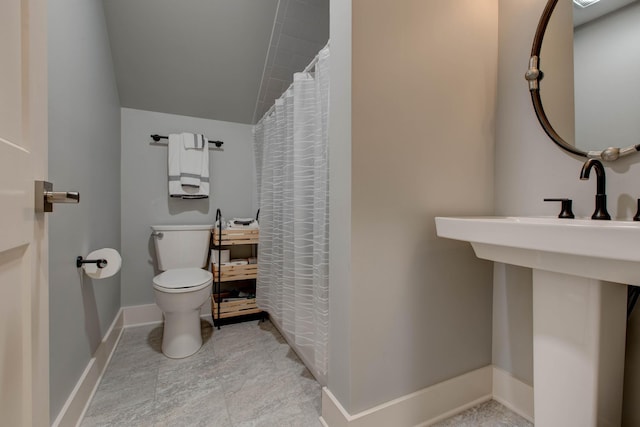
580	272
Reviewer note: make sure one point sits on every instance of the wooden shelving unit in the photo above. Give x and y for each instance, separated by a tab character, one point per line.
234	307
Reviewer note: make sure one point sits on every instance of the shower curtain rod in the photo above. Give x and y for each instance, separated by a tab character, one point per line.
312	64
308	68
157	138
270	110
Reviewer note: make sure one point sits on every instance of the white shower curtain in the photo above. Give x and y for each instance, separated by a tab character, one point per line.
290	147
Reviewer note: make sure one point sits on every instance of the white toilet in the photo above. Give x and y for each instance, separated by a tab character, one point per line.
184	286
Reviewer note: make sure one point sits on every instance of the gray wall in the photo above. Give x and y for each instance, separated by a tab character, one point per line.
421	145
84	155
340	294
145	199
529	167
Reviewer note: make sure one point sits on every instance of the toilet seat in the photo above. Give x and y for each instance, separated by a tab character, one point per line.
180	280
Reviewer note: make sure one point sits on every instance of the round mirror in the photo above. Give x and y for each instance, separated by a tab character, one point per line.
583	78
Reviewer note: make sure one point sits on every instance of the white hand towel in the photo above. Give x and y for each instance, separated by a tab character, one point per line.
203	190
191	157
175	154
174	149
193	140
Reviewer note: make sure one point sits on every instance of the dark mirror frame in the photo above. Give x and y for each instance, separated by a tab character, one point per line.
534	75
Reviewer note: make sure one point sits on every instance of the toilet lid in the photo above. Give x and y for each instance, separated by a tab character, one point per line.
180	278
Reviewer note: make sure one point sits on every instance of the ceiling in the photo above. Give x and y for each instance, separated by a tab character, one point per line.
218	59
582	15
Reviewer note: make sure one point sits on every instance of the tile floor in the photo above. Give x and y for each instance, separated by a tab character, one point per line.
244	375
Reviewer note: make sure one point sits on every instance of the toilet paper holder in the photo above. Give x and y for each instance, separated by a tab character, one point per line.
100	263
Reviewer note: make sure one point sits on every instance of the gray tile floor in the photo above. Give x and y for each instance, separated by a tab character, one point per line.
488	414
244	375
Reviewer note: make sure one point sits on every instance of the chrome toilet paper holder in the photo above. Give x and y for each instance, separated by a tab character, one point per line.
100	263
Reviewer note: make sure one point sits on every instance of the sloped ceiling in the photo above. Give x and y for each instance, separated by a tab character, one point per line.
583	15
218	59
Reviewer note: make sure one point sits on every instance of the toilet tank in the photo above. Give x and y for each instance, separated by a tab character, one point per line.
181	246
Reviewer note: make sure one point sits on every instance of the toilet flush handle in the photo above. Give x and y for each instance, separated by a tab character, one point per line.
157	234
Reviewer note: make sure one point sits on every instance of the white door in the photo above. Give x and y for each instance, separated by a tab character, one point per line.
24	299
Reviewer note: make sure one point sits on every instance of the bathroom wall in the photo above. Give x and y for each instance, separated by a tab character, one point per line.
145	199
529	167
84	155
423	89
340	295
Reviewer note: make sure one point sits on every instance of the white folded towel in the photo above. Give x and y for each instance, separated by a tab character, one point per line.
188	166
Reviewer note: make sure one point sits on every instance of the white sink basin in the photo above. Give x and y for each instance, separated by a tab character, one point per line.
604	250
579	306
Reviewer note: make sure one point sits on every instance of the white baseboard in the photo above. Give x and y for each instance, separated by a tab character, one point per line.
74	408
421	408
436	403
513	393
137	315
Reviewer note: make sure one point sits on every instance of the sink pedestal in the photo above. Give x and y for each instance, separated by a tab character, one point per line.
578	350
579	306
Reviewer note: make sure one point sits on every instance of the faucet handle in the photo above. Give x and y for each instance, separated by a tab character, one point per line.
566	207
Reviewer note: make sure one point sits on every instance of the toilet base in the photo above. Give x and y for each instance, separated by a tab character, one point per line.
181	309
181	337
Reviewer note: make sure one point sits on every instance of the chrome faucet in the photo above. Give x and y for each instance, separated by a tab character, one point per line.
601	197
